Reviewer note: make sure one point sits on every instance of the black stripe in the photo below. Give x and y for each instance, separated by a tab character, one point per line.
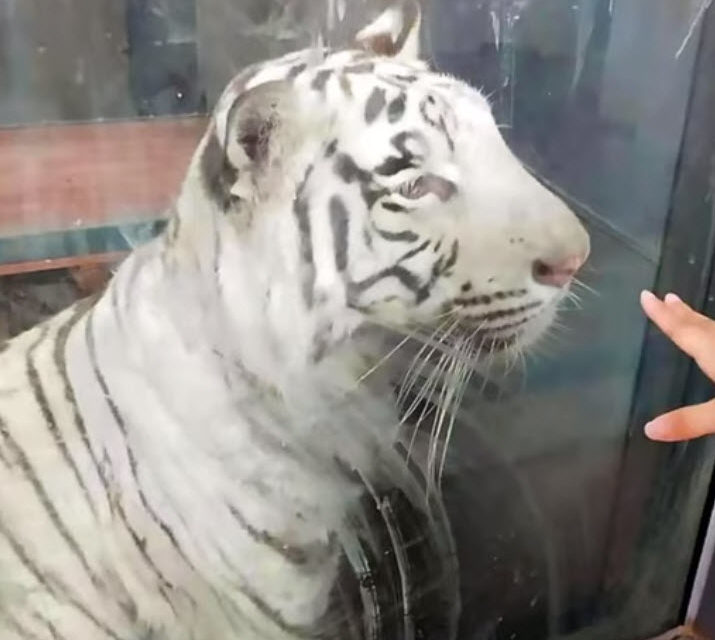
321	342
453	255
61	364
300	210
349	171
367	236
31	475
296	71
393	81
346	86
374	105
490	331
396	108
140	544
400	140
234	613
21	631
331	148
300	631
321	79
411	13
473	301
393	206
50	627
4	460
36	385
60	592
274	616
438	124
130	453
296	555
218	175
363	67
445	131
114	410
371	195
408	280
505	313
393	165
413	252
339	224
401	236
424	113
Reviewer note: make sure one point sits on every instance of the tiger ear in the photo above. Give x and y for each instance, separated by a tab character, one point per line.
395	33
252	135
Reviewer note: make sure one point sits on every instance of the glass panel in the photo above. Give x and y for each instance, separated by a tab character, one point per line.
594	97
562	515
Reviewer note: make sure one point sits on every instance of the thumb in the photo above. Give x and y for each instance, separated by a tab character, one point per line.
683	424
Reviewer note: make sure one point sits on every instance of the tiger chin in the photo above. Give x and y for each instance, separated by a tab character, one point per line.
199	452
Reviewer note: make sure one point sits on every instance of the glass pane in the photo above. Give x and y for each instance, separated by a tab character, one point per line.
561	515
594	97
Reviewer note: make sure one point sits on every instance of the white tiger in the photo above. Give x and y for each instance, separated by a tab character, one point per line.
177	457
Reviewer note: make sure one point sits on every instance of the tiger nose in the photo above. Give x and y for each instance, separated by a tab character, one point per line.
557	273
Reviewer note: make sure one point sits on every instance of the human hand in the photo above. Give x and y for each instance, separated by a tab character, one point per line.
694	334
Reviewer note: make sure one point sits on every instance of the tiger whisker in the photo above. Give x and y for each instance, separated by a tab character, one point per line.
427	389
412	372
586	287
442	407
466	375
384	359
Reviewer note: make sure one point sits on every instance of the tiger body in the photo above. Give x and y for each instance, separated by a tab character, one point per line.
173	455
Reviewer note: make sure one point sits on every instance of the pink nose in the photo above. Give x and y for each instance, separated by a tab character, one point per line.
556	274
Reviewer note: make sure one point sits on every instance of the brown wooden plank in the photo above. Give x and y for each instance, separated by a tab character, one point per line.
61	263
67	176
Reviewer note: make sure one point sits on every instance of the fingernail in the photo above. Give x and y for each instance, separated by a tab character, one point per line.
647	295
656	430
672	298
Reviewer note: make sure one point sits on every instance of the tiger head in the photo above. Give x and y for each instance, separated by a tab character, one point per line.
359	186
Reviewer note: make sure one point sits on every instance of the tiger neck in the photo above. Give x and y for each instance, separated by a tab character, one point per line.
172	319
211	448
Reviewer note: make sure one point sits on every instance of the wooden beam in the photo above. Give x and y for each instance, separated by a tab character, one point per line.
58	177
61	263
